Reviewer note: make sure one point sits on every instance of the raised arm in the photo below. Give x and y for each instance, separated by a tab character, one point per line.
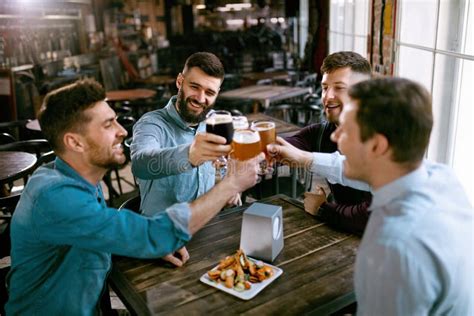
153	159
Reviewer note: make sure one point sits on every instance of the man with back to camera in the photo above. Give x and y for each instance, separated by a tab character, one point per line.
171	153
416	254
349	208
63	233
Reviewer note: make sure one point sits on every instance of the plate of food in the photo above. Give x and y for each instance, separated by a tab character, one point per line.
241	276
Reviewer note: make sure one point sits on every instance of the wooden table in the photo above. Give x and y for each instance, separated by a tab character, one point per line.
317	264
282	128
265	95
15	164
130	94
251	78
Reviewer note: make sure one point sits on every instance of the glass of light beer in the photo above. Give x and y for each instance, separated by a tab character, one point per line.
220	123
267	132
246	144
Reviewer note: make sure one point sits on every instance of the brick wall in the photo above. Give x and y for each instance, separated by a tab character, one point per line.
381	37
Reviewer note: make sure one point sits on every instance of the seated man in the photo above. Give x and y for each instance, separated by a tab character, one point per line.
349	208
63	233
171	153
416	256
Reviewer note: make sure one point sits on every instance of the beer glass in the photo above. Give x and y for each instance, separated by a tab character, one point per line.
267	132
240	122
220	123
246	144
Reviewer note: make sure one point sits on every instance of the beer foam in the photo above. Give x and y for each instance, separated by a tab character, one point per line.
219	119
246	137
266	126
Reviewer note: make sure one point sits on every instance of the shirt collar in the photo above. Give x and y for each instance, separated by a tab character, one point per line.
176	118
399	187
67	170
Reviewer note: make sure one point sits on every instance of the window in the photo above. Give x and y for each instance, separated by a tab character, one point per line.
348	26
435	47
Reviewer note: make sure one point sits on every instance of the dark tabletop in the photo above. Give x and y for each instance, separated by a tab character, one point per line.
15	164
317	264
265	94
281	127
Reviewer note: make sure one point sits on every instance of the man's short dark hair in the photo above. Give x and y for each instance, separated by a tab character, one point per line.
399	109
339	60
63	110
207	62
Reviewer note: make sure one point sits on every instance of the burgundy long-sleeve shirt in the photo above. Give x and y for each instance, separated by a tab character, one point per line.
349	208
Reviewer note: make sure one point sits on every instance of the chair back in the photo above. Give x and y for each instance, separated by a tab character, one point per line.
112	75
6	138
16	129
132	204
34	146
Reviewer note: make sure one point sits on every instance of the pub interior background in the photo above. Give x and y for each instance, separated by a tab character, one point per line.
125	43
45	44
137	44
129	44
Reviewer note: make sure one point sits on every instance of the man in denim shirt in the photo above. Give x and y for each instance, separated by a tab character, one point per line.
171	153
416	256
63	233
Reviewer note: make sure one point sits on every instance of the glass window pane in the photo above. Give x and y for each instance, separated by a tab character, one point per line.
451	17
360	46
463	156
361	17
337	15
348	42
444	103
469	30
416	64
418	22
349	17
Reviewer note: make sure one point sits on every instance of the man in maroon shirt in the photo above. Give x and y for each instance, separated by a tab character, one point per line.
348	209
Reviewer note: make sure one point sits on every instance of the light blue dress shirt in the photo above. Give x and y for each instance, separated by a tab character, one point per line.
160	160
416	255
63	235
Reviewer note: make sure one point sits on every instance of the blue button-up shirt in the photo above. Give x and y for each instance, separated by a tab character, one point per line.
160	160
63	235
416	255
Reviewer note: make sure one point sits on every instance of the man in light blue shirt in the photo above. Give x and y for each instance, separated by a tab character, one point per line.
171	153
416	255
63	233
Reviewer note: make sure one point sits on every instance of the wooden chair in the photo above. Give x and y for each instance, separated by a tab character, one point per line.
132	204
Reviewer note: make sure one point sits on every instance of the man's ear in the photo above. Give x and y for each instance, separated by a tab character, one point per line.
179	80
380	145
73	142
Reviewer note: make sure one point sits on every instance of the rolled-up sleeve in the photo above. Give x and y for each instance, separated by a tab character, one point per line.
80	221
151	159
331	167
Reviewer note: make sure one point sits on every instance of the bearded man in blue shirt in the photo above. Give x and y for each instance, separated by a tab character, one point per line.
63	233
416	256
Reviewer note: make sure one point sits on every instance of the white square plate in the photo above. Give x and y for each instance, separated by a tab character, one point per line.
246	294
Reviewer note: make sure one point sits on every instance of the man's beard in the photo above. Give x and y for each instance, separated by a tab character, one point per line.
103	159
187	115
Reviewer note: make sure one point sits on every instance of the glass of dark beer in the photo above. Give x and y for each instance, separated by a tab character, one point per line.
219	122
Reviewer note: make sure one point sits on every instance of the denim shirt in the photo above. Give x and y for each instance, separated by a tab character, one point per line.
63	235
160	160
